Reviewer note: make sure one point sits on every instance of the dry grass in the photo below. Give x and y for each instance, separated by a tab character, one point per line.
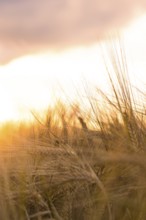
60	169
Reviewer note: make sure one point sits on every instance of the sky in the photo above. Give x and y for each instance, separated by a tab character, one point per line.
48	47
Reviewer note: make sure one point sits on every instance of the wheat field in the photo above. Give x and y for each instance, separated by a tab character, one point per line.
78	164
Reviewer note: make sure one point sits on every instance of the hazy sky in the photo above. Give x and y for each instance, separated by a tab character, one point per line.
33	26
47	47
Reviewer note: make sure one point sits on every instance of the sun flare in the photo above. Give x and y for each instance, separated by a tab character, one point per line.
33	82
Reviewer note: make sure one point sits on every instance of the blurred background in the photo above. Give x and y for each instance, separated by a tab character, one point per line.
50	49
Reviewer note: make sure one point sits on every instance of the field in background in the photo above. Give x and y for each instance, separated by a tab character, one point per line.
77	164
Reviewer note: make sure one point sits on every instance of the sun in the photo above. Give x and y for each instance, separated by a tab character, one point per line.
35	82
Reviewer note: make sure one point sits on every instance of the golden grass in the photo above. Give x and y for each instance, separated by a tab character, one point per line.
62	169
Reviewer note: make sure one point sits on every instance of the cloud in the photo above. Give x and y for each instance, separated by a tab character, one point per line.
31	26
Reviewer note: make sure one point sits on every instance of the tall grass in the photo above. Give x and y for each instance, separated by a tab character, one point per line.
74	167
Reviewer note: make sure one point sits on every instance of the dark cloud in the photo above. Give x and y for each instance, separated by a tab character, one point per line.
31	26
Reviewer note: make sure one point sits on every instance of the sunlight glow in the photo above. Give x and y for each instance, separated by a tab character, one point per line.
32	82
